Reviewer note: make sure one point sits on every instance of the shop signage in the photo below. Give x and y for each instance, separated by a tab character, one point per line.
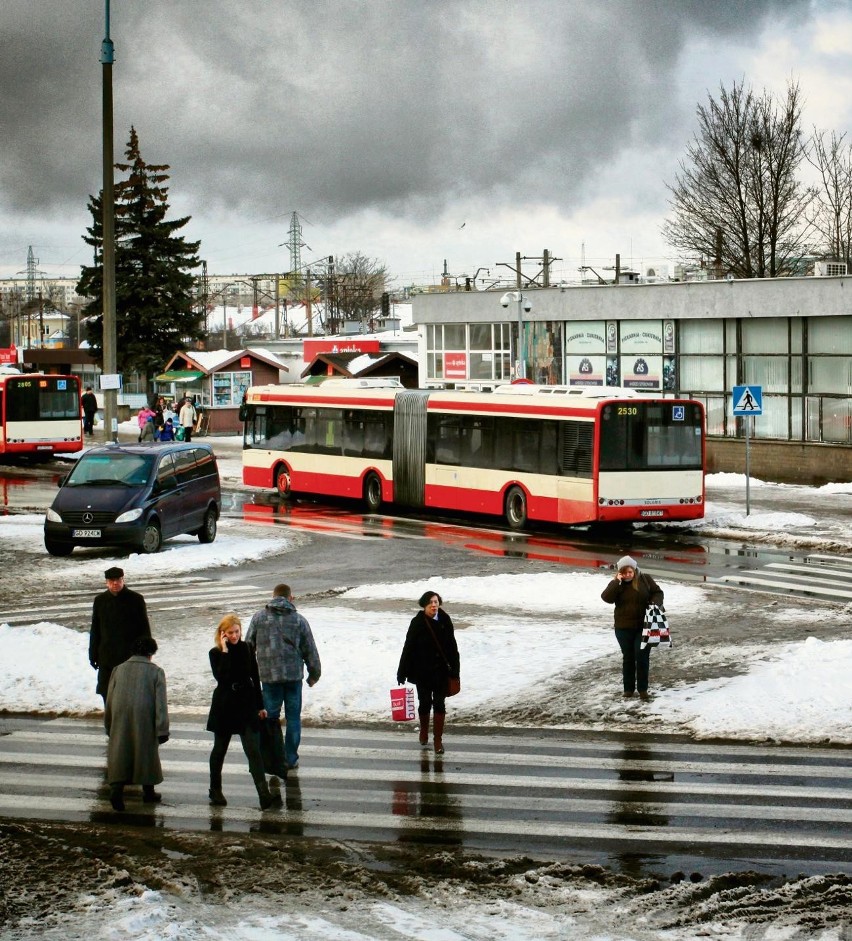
313	348
455	365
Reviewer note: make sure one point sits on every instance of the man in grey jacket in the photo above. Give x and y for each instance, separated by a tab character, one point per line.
284	646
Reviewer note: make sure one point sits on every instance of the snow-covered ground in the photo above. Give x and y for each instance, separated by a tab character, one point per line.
793	692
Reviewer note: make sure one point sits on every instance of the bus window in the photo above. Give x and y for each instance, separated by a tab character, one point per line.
477	441
378	435
448	440
526	439
575	448
278	434
645	436
353	433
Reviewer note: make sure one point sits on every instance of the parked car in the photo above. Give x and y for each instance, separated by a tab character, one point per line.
135	496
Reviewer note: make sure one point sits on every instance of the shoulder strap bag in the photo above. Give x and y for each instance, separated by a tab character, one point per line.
453	682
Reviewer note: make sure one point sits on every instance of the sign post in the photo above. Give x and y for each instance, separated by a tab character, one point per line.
748	403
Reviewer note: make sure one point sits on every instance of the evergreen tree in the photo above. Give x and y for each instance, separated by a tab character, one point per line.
155	317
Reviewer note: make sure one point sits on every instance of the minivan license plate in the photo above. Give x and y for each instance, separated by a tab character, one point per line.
86	533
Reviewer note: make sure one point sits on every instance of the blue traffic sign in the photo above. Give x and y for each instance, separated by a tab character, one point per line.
748	400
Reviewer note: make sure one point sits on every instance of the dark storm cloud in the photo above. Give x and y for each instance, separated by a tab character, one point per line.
337	106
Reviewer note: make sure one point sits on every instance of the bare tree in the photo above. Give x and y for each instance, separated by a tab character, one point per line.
737	199
831	212
359	282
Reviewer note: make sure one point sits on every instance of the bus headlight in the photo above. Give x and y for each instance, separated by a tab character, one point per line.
53	516
129	516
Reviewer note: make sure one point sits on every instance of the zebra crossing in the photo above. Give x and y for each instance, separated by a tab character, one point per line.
551	795
189	596
817	575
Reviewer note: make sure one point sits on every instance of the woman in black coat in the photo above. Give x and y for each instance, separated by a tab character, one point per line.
631	591
236	709
430	660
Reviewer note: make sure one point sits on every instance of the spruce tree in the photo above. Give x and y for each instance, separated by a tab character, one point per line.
153	284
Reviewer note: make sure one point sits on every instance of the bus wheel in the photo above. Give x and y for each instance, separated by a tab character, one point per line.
516	508
282	482
373	493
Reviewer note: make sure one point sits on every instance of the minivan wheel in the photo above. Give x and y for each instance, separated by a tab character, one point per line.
58	548
152	539
207	533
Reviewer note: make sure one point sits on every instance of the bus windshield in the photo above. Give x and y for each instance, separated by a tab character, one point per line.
39	398
650	436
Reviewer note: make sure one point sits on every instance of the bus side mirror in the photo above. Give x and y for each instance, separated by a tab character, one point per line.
243	413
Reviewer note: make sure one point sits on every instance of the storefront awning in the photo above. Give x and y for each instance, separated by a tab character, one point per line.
180	375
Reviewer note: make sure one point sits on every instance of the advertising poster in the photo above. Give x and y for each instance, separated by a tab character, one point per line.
642	372
642	336
585	370
455	365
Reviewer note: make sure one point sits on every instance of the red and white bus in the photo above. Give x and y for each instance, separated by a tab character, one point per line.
550	453
40	415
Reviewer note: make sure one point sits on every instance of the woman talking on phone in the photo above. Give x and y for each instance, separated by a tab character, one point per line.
631	591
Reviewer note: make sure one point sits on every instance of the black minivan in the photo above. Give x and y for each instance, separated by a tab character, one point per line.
135	496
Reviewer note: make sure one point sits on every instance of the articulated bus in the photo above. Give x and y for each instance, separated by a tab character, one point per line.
40	415
546	453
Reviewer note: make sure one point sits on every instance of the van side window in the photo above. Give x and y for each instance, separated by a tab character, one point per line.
166	476
205	462
185	466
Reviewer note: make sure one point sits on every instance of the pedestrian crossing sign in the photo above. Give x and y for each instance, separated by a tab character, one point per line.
748	400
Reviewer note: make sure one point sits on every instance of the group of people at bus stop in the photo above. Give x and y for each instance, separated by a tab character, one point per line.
260	675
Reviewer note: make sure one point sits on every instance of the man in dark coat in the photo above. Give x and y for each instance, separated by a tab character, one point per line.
119	616
90	408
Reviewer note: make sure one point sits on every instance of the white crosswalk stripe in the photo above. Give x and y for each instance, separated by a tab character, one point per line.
539	794
821	576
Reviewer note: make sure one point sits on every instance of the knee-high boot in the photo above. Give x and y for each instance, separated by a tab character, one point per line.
439	733
424	728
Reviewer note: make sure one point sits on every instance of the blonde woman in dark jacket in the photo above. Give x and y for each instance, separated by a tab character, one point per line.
631	591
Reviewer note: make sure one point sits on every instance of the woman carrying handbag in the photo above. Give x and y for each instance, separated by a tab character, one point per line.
430	660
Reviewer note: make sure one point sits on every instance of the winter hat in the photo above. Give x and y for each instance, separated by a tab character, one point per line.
114	572
624	561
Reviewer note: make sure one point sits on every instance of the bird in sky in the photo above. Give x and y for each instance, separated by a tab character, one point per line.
462	225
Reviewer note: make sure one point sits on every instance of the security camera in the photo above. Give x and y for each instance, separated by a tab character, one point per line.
506	299
527	304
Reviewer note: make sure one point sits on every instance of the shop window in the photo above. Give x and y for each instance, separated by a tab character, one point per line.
229	388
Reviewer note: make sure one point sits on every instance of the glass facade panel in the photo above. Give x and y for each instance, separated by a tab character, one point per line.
770	372
830	374
796	333
837	421
774	422
544	352
480	336
812	428
765	335
830	335
701	336
702	373
454	336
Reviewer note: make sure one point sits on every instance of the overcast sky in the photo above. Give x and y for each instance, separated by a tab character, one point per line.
411	130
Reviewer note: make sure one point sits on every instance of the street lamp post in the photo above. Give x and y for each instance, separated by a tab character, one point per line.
524	305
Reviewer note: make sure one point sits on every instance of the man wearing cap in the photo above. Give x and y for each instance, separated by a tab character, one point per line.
119	616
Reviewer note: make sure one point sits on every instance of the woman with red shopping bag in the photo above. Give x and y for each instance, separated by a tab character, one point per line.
430	660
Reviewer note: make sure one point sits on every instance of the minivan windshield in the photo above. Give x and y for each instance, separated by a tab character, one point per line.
111	470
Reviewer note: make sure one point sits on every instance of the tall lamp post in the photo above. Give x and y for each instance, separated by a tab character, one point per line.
524	306
109	328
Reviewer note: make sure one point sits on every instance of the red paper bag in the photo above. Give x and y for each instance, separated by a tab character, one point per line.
402	703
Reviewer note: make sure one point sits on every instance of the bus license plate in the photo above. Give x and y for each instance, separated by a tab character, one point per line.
86	533
652	513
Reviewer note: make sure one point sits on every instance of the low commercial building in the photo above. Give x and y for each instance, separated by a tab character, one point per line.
791	337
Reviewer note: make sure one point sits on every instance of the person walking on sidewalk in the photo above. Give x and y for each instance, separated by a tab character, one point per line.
284	646
119	616
236	709
430	660
90	409
631	591
136	719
